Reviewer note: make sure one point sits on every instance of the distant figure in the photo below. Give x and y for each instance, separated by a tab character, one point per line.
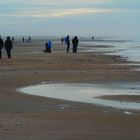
62	40
13	39
29	39
68	43
92	37
48	46
23	40
75	42
1	46
8	46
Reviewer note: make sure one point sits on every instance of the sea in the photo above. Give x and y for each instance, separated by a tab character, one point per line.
128	48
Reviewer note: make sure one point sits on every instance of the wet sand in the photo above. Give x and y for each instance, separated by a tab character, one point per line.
30	117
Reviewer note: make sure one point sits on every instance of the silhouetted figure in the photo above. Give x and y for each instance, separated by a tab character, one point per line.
8	46
1	46
23	39
68	43
29	39
48	46
13	39
62	40
92	37
75	42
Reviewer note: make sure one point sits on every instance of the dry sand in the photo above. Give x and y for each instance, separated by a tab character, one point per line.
25	117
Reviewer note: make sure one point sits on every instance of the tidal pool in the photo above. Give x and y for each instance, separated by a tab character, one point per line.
88	93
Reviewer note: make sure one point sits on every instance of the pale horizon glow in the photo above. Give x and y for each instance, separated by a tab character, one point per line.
60	17
57	13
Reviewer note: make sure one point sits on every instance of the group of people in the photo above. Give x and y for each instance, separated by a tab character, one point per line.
75	42
27	40
8	45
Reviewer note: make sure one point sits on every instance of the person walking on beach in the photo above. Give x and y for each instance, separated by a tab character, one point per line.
23	40
1	46
29	39
68	43
8	46
75	42
13	39
62	40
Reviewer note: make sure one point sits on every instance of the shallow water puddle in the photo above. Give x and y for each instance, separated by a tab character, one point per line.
88	93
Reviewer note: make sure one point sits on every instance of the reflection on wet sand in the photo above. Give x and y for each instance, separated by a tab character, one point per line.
88	93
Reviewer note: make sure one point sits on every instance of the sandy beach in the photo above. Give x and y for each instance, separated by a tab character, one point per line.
26	117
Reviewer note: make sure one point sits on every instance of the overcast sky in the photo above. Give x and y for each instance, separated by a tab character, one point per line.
60	17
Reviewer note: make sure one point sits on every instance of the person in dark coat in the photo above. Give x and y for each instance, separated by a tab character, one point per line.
62	40
13	39
75	42
23	39
1	46
68	43
46	46
29	39
8	46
